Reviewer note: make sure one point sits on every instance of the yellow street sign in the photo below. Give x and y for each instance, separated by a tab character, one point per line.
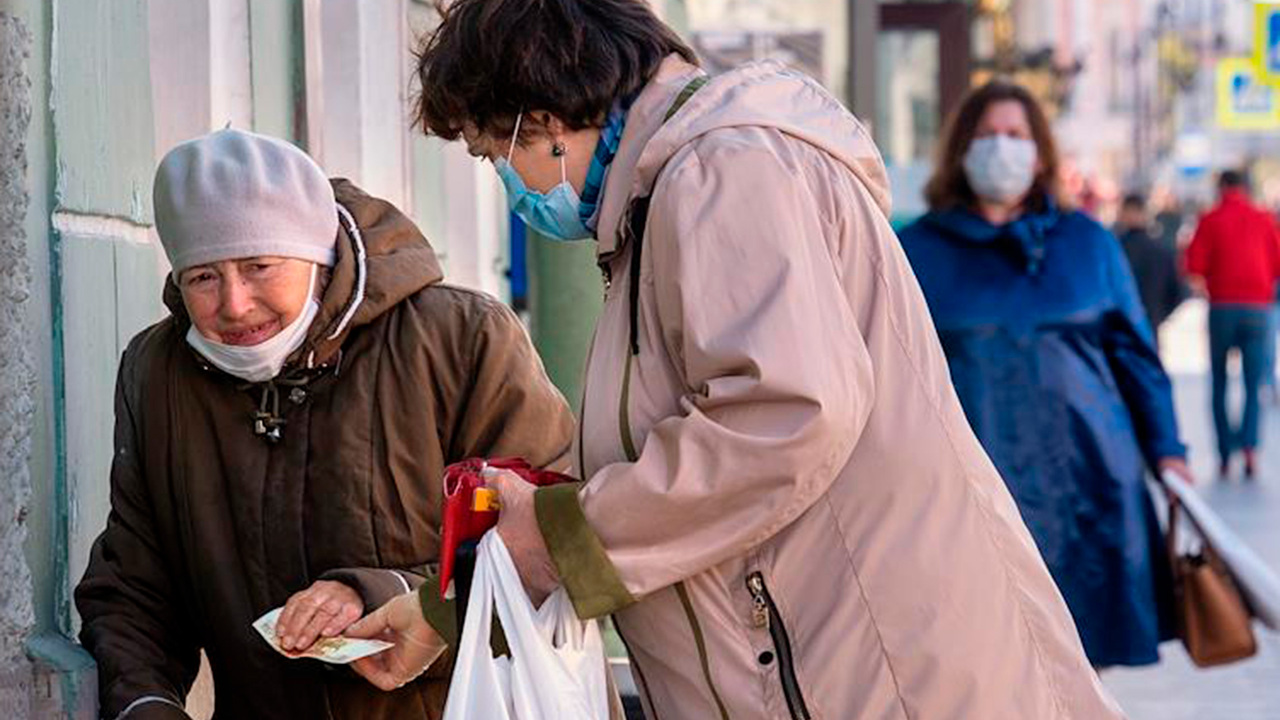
1244	101
1266	41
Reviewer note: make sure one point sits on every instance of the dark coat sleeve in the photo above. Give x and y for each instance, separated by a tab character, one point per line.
133	623
1131	353
504	406
511	408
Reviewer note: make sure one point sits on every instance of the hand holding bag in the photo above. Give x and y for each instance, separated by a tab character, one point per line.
1214	622
461	520
556	669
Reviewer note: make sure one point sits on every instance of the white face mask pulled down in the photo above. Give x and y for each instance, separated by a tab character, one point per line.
1000	168
261	362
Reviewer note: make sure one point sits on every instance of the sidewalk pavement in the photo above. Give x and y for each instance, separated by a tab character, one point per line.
1175	689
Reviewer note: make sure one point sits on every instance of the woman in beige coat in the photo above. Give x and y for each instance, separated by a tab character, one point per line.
783	507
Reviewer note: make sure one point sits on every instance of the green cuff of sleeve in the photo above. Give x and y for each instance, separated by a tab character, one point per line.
439	613
585	569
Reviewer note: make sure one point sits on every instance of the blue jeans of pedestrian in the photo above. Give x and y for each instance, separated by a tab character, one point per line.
1246	328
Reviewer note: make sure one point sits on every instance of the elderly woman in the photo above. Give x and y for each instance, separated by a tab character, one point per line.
281	435
783	506
1055	364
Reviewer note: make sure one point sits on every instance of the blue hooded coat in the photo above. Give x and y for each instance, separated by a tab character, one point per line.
1054	362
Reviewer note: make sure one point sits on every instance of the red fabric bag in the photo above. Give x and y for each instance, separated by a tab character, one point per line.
461	522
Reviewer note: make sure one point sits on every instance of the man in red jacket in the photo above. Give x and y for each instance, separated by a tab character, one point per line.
1235	254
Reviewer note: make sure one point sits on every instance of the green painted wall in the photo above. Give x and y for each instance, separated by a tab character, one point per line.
277	68
565	297
109	280
102	107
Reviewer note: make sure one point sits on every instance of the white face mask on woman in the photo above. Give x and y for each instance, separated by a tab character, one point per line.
261	362
1000	168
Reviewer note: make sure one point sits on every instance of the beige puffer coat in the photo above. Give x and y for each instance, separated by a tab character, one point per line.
786	510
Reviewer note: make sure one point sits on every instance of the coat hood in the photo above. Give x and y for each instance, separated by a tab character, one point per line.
1024	237
761	94
382	258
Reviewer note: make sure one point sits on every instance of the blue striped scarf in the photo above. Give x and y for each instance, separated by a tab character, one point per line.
598	173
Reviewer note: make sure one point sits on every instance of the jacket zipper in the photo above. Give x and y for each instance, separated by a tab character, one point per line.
765	615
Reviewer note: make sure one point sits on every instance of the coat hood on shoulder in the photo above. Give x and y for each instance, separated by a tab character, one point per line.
761	94
1024	237
382	258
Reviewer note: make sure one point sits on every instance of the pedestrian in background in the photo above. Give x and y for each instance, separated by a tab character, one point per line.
1234	258
1169	221
1154	265
1055	365
783	506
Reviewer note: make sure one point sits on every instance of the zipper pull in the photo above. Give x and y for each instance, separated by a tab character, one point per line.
759	606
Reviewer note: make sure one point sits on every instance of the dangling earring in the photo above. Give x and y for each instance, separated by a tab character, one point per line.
558	149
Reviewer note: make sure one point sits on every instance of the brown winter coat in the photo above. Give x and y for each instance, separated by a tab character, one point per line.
786	509
211	525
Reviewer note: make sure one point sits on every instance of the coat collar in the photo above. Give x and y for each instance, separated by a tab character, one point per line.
1025	237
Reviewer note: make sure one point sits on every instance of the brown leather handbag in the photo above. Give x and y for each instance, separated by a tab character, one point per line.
1214	621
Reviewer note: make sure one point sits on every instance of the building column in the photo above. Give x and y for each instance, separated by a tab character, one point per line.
864	28
17	377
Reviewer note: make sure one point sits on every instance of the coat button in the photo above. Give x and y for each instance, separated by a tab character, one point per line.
297	396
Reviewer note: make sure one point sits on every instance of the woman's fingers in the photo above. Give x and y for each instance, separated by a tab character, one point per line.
373	625
328	612
296	614
375	670
416	643
326	608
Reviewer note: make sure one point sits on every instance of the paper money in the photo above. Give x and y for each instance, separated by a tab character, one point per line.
336	650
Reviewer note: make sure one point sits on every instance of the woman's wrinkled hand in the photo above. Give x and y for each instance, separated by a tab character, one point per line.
518	528
323	610
417	645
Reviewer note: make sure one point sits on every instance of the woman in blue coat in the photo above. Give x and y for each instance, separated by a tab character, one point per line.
1055	365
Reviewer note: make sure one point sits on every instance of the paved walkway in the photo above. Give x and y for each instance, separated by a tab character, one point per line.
1176	689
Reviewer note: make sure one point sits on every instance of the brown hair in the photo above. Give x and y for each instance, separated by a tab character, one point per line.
490	59
949	187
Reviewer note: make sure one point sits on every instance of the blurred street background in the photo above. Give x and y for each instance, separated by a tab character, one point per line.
1175	689
1150	97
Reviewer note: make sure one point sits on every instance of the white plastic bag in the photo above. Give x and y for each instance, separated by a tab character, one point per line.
556	670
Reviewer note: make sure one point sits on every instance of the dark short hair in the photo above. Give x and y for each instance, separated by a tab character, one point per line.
490	59
949	186
1134	201
1232	179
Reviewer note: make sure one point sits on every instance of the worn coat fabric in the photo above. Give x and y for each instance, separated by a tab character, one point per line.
211	525
785	508
1052	356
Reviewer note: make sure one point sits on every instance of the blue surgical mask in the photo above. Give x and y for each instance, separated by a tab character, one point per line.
555	213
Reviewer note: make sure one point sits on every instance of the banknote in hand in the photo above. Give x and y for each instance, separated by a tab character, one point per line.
336	650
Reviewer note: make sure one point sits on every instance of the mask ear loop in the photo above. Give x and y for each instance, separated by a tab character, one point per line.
514	136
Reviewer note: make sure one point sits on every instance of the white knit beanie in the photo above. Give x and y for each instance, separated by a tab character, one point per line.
232	195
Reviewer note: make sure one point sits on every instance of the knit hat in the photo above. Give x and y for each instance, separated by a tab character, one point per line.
232	195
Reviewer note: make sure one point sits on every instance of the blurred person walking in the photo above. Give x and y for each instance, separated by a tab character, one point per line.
1234	258
1169	220
1154	265
1054	362
784	508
